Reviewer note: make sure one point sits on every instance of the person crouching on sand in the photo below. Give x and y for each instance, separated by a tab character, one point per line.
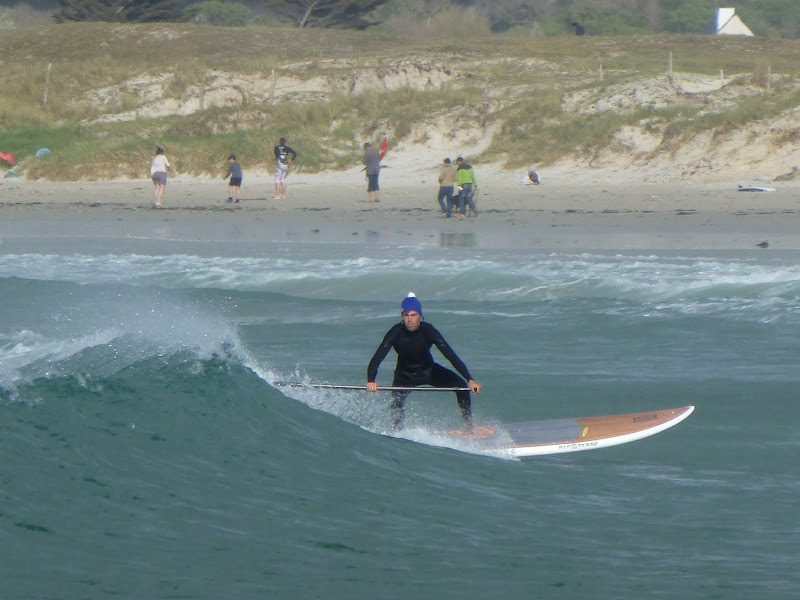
158	173
235	173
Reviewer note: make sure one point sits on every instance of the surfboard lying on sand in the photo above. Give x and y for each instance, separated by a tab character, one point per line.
754	188
535	438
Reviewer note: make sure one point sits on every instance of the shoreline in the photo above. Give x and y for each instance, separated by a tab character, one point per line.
554	215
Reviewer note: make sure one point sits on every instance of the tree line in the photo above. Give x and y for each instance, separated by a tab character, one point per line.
767	18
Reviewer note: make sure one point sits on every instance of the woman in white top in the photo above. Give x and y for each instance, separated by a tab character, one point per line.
158	173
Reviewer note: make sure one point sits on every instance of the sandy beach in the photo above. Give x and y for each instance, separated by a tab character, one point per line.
564	212
645	183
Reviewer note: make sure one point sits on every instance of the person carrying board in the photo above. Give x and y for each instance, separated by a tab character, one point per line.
412	340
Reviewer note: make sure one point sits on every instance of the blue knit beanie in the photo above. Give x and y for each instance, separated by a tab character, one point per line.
411	303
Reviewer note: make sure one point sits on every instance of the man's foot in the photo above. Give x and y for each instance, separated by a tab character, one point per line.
237	201
230	200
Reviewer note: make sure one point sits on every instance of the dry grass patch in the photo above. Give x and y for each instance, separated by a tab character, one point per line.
511	85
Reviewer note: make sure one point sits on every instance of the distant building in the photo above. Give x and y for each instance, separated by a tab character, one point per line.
729	23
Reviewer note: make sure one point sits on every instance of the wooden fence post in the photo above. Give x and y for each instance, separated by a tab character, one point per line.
769	79
46	86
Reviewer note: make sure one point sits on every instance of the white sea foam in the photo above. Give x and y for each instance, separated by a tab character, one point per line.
475	277
23	349
102	332
198	302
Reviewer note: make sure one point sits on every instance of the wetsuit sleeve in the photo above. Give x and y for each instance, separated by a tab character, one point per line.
449	353
380	353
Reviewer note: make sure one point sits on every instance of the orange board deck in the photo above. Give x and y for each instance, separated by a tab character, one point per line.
554	436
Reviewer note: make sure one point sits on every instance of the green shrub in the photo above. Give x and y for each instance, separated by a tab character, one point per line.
214	12
6	19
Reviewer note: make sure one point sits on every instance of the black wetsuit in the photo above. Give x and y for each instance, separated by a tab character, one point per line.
415	365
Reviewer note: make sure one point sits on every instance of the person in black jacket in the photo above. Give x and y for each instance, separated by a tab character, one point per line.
282	160
412	339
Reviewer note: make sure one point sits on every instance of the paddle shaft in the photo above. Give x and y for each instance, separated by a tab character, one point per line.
330	386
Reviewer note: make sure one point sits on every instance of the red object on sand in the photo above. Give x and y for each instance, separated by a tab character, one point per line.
9	158
384	146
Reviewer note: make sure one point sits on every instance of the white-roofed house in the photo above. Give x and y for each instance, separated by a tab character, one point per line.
729	23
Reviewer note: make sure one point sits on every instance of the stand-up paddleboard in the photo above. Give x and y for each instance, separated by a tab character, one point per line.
535	438
554	436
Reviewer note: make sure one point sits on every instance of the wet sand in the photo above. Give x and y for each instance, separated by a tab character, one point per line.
333	208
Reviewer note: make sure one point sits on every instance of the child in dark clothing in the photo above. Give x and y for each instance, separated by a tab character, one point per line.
235	173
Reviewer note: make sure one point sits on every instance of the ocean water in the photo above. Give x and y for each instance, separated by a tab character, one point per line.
146	453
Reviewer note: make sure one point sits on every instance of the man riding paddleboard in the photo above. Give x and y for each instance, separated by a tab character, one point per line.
412	339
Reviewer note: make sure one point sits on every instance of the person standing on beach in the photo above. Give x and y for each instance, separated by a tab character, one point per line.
372	163
412	340
158	173
282	160
469	185
447	183
235	173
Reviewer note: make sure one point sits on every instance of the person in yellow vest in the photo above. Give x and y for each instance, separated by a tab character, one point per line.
465	177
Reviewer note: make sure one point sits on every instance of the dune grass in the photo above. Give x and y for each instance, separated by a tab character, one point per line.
515	83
